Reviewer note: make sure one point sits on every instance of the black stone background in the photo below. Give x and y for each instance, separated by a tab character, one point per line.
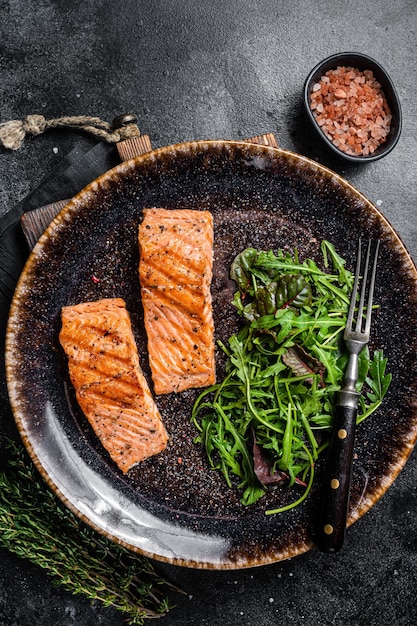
220	70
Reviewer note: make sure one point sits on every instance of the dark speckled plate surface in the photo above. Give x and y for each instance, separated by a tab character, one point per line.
262	197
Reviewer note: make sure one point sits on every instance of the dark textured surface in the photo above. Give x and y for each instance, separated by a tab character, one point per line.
220	70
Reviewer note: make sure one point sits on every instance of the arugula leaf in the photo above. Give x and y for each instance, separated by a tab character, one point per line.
337	262
377	380
284	367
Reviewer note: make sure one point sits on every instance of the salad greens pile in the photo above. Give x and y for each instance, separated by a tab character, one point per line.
269	419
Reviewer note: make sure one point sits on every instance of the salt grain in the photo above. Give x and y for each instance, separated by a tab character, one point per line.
352	101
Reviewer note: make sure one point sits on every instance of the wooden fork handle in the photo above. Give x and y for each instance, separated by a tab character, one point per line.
336	483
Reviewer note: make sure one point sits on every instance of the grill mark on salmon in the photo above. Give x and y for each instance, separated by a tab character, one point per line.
110	387
175	271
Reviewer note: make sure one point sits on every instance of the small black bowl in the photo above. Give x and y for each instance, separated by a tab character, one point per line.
361	62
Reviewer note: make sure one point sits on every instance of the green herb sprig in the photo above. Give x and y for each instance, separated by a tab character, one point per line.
283	370
36	526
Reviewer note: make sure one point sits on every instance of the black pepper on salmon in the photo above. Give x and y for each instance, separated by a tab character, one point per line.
175	271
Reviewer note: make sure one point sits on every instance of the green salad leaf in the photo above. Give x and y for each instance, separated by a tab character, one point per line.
267	422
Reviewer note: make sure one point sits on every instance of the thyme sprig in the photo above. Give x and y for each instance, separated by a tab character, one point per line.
36	526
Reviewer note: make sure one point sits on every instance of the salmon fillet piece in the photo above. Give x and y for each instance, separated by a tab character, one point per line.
110	386
175	271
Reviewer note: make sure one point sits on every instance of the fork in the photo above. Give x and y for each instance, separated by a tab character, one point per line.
338	471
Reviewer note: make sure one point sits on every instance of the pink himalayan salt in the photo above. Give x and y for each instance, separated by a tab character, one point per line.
351	110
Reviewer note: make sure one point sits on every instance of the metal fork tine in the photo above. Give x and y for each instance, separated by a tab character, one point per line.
354	305
371	292
353	297
359	317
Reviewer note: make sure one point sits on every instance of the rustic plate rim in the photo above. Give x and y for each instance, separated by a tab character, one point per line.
72	206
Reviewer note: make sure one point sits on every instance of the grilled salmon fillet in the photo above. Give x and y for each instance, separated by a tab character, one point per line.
110	387
175	271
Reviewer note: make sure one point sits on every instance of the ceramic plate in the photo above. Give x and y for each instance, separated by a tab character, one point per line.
172	507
